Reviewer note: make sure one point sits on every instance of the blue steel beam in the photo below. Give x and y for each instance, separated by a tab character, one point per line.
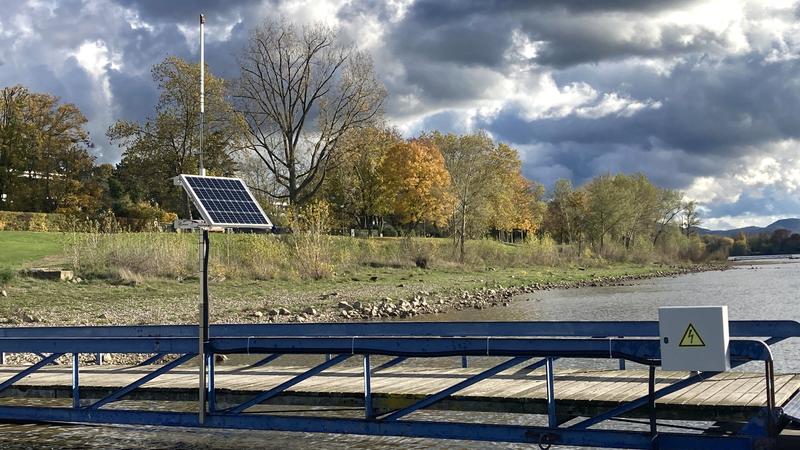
640	350
43	362
738	328
76	387
641	401
552	420
264	396
116	395
434	430
428	401
368	414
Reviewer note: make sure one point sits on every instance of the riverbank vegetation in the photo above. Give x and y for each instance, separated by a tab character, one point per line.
118	283
364	212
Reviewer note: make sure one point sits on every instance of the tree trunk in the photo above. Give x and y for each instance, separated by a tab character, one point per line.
462	233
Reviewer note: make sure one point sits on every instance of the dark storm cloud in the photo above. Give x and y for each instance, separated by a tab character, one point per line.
182	11
704	101
435	36
711	113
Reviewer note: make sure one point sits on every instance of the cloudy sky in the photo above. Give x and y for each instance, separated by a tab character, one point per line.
702	96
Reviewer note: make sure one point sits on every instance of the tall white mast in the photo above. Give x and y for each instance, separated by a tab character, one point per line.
202	90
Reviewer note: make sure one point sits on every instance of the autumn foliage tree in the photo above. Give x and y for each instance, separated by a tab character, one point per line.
356	183
417	181
44	152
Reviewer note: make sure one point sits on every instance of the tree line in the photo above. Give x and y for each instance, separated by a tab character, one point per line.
303	123
779	242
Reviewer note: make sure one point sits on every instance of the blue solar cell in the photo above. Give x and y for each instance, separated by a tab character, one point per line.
225	201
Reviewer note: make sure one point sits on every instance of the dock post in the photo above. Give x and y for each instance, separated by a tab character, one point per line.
651	401
463	361
98	359
769	372
76	397
367	389
552	420
212	397
3	358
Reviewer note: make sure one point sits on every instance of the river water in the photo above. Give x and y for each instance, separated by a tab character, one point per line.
751	290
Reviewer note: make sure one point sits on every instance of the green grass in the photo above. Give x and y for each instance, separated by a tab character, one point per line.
19	249
161	284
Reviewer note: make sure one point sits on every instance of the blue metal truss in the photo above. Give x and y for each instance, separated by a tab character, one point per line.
517	341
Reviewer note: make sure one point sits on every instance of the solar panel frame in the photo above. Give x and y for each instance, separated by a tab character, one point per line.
236	191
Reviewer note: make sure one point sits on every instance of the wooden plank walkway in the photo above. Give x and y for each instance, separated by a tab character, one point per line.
727	396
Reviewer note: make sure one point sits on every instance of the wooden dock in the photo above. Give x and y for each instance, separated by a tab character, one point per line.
729	396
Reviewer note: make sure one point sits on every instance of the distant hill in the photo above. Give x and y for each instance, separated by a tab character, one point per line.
792	225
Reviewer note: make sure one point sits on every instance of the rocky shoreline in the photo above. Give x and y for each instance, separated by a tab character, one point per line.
421	302
425	302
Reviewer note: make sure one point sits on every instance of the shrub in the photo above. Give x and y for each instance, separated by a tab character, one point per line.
6	276
310	243
23	221
420	251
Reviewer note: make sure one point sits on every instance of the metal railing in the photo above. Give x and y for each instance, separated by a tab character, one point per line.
535	344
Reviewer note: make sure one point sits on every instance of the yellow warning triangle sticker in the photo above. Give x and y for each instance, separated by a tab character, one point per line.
691	338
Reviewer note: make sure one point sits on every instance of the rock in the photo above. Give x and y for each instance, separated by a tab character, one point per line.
344	306
258	314
310	311
4	293
79	280
220	358
373	278
29	318
358	305
283	311
49	274
401	285
273	312
4	320
103	316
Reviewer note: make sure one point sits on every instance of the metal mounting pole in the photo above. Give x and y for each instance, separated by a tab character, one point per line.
202	332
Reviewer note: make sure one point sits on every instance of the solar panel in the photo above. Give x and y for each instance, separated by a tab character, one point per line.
225	202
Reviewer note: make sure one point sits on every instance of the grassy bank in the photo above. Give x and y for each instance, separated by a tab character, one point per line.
96	302
151	278
20	248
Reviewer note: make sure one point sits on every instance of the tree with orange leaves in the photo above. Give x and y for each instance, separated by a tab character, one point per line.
418	183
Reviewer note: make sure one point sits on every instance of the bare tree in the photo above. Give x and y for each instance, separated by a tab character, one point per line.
300	90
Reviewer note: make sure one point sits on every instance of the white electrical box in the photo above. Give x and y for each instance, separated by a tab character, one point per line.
694	338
